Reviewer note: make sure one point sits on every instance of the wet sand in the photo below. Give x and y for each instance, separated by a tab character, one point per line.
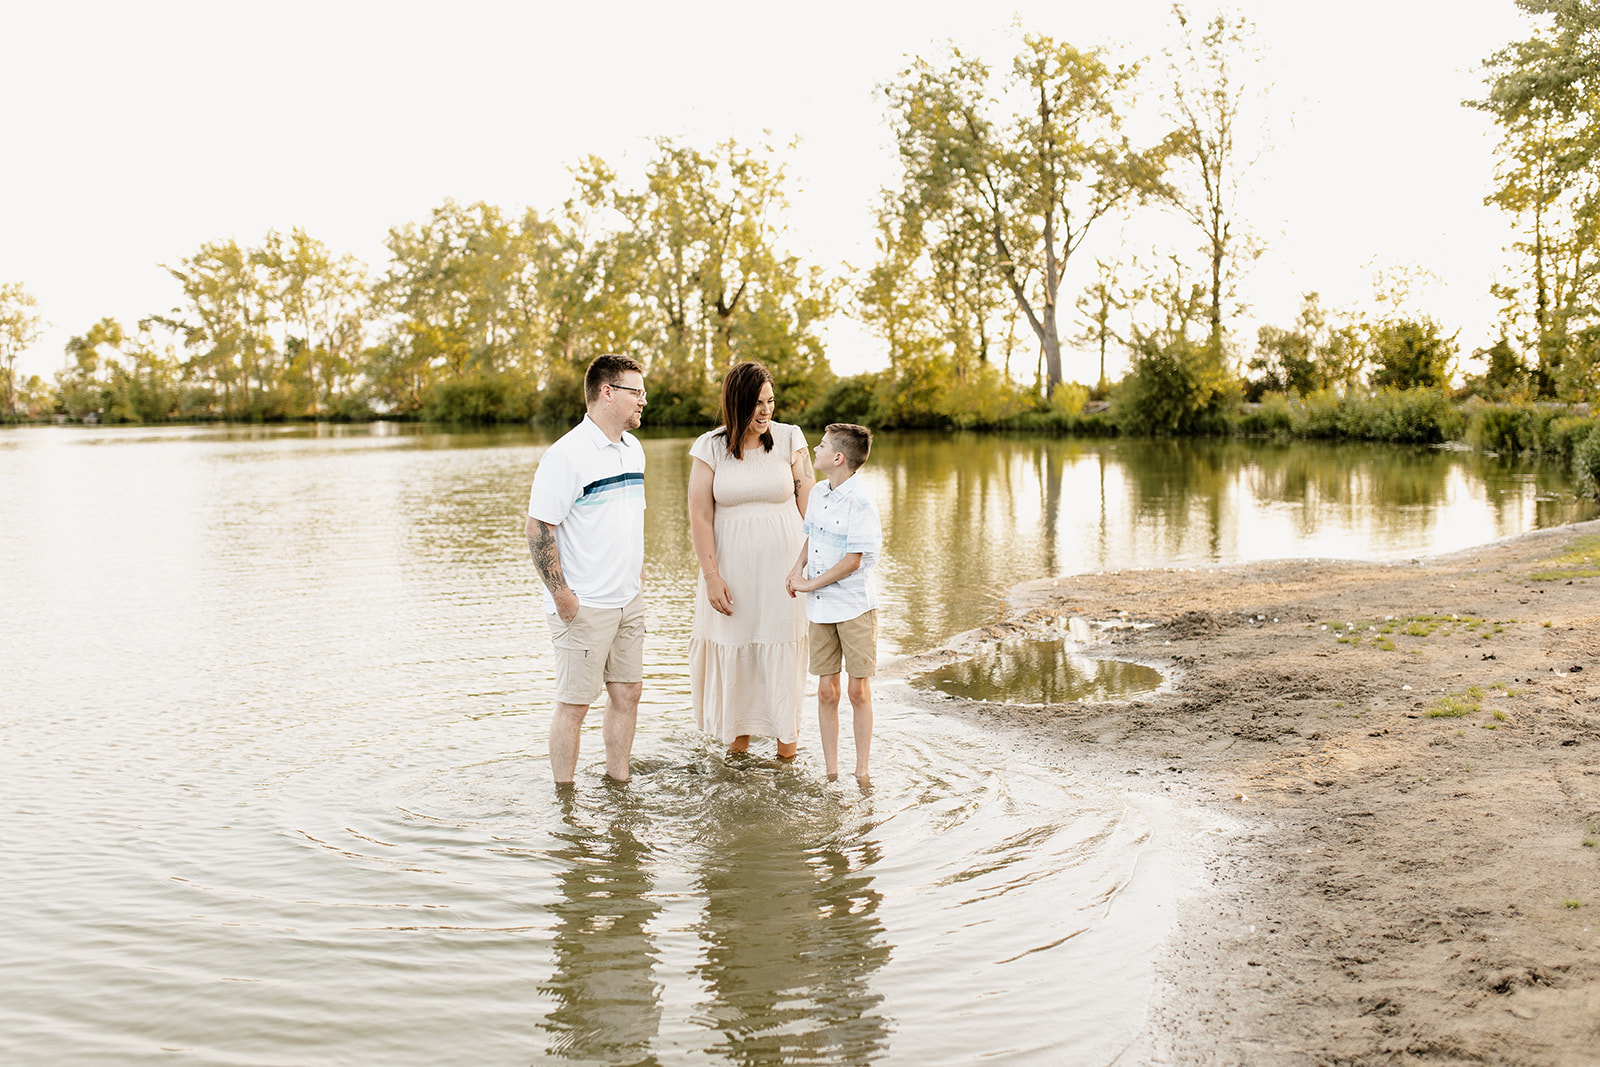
1418	877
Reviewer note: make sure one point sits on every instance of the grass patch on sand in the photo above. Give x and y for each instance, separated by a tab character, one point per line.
1455	705
1381	633
1581	560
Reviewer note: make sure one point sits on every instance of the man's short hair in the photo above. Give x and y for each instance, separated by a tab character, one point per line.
606	370
854	441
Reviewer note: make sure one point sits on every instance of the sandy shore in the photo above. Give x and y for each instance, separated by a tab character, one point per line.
1419	881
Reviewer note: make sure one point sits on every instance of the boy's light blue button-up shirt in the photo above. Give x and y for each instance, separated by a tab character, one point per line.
840	521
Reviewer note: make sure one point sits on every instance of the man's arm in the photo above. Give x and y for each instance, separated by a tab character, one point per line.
547	559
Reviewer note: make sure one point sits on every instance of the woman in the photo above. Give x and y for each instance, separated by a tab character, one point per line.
747	496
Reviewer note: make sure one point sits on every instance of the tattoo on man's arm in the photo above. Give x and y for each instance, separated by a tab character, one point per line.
546	556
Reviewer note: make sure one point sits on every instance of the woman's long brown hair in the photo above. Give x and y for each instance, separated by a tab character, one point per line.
741	392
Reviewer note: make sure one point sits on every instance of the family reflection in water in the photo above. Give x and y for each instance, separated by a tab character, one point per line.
607	999
789	932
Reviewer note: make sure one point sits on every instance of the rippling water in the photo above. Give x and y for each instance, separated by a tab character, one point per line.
274	791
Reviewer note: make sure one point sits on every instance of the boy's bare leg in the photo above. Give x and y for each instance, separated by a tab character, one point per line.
621	719
828	721
861	704
564	731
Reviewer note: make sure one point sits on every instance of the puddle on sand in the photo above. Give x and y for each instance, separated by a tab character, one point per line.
1040	672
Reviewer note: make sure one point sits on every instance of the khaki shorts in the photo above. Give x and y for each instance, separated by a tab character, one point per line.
854	641
599	645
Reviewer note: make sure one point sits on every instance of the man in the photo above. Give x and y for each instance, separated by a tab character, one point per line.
586	534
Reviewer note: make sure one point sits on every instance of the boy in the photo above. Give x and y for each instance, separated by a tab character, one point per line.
842	542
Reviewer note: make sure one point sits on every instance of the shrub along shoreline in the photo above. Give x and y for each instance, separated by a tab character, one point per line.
1421	416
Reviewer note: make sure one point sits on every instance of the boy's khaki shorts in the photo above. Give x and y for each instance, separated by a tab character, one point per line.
854	641
599	645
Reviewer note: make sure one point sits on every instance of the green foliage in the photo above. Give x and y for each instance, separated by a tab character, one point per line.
1313	355
1273	416
1540	428
1169	390
991	204
1411	354
1506	376
1586	462
1497	428
561	402
19	328
846	400
1410	416
1541	95
481	399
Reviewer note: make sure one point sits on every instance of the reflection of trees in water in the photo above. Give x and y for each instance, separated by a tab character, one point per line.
965	516
1040	672
792	942
608	1002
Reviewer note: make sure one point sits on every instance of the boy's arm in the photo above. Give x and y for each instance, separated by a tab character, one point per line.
848	564
798	571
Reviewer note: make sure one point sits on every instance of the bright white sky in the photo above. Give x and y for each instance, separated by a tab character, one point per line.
137	131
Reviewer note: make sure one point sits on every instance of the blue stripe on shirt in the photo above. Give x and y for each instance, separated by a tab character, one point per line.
618	487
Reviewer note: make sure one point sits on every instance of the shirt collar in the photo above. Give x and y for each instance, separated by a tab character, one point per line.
596	435
829	492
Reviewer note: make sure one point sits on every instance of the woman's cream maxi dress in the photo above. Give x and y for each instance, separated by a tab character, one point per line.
747	671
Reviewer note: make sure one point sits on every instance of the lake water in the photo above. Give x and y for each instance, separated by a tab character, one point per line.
272	730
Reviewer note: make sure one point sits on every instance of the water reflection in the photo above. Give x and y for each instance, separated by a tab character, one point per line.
1040	672
791	931
608	1001
966	516
292	624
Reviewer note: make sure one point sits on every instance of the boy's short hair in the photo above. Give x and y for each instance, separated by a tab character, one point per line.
606	370
854	441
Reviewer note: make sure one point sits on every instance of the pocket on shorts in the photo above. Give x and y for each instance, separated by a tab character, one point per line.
561	633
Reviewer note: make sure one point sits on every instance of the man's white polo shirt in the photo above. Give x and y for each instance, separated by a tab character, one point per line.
591	489
840	521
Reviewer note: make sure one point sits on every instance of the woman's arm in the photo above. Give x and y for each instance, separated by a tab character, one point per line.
702	513
805	477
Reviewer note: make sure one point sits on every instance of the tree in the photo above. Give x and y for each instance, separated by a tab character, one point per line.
717	285
324	301
19	328
1032	182
1174	383
1208	95
226	323
1096	306
84	383
1300	359
1544	93
1411	354
1505	373
445	286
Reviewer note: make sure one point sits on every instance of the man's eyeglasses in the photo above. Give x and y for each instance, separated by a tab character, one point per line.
632	389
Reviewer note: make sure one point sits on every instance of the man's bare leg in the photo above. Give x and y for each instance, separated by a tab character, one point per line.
564	731
621	718
861	704
828	721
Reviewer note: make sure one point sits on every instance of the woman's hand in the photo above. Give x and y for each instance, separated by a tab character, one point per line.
719	594
702	527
